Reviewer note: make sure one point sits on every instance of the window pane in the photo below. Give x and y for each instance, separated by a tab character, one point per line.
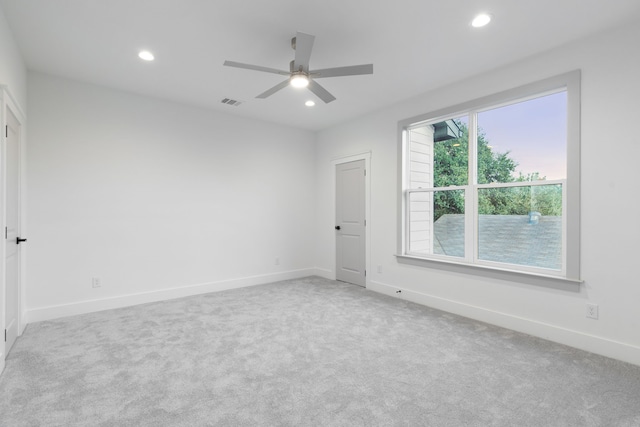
439	154
421	222
524	141
449	223
436	223
451	152
521	225
420	157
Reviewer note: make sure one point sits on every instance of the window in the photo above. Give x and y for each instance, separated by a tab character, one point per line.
494	183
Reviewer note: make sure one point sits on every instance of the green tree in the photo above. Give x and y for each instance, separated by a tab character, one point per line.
451	163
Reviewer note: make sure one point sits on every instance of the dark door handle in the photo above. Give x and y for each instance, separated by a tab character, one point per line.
337	227
19	240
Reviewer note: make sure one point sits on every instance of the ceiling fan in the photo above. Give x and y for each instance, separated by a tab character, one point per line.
299	74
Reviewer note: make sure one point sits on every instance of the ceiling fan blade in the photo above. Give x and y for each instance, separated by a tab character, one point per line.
255	68
353	70
274	89
320	92
304	44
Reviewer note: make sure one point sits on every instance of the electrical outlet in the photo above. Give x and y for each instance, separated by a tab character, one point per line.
277	261
592	311
95	282
379	269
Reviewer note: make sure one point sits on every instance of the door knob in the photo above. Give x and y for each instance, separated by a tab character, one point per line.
19	240
337	227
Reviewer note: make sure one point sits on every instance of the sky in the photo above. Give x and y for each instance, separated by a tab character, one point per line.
533	131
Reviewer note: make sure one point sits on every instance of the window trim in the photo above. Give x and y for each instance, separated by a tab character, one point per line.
571	189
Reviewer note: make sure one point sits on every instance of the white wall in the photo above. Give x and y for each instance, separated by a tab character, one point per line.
150	196
13	72
610	234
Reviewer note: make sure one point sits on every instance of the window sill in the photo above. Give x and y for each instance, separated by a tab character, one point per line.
554	282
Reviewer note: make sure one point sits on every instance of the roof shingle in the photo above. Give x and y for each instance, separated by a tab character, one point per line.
504	238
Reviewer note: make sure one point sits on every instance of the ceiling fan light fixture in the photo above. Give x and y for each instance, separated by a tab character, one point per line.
299	80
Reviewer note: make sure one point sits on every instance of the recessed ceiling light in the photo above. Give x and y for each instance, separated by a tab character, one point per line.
481	20
309	103
146	55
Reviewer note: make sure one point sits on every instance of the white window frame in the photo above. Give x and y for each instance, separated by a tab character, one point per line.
570	272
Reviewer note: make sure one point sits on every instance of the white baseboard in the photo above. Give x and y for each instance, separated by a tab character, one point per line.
83	307
325	274
591	343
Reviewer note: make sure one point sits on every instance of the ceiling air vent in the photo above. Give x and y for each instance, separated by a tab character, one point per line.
230	101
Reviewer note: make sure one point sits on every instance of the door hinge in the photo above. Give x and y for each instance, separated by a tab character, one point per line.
6	131
5	335
365	172
365	273
365	222
5	233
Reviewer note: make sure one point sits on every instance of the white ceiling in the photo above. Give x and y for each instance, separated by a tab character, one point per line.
415	46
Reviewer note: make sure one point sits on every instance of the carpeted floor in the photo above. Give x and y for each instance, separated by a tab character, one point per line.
308	352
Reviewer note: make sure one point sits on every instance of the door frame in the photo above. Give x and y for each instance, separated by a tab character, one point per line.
366	156
8	103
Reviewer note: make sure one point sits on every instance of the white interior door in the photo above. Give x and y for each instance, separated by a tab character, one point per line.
12	231
350	222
